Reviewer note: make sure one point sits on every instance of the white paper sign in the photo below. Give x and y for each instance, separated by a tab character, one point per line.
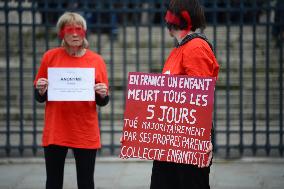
71	84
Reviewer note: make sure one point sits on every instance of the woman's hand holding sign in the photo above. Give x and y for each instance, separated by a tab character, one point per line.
209	151
41	85
101	89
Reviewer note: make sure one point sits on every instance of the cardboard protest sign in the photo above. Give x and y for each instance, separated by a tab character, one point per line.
168	118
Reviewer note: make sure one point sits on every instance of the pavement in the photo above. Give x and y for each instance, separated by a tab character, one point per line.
114	173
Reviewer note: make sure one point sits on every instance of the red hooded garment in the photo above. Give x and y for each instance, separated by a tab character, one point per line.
193	58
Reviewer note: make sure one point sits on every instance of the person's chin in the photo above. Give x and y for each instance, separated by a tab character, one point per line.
76	44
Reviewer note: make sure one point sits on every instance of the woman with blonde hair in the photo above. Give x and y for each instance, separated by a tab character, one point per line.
71	124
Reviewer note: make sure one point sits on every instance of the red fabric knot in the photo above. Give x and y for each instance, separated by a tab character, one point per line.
187	18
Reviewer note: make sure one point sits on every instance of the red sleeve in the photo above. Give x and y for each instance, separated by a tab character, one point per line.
42	71
199	62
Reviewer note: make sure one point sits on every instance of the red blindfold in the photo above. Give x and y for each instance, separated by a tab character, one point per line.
72	30
171	18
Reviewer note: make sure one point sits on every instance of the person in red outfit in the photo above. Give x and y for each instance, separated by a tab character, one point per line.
192	56
71	124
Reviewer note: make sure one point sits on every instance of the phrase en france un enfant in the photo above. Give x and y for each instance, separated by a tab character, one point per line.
173	123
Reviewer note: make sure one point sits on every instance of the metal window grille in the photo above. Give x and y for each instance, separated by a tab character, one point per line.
131	36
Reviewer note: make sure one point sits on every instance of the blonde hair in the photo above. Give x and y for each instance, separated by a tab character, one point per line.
72	18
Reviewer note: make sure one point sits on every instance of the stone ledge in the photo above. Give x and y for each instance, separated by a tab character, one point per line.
116	159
